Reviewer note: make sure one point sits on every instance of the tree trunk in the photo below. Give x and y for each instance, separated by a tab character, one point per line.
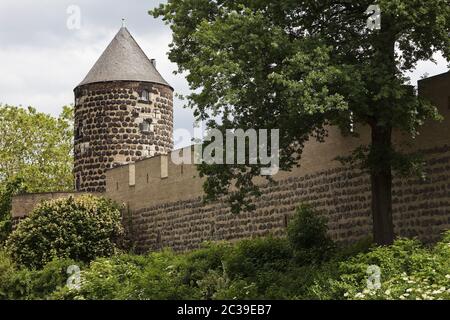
381	180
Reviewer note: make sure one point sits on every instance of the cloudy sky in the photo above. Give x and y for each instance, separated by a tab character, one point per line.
42	60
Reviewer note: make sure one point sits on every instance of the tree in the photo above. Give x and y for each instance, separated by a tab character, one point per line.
37	148
12	187
302	65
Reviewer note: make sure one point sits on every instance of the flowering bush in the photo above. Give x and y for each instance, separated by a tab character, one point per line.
78	228
408	271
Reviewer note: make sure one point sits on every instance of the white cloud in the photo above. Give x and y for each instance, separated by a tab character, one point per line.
41	61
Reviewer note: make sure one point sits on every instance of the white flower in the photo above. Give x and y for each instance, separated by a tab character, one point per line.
436	292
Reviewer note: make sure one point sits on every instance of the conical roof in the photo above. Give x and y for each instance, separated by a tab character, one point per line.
123	60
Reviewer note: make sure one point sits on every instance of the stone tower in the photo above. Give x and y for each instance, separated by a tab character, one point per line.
123	113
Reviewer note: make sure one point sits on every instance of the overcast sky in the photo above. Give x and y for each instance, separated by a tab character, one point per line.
42	60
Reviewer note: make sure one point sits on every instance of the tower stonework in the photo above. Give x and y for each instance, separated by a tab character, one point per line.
123	113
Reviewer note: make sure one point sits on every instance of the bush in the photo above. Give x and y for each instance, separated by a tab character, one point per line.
210	257
81	229
307	234
408	270
21	283
251	257
154	276
12	187
7	270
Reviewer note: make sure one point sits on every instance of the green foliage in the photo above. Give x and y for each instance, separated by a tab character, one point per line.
78	228
262	268
201	261
12	187
35	156
408	270
155	276
7	270
307	233
25	284
37	148
257	255
300	66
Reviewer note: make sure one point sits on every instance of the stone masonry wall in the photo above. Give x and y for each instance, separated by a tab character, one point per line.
23	204
109	119
165	206
421	208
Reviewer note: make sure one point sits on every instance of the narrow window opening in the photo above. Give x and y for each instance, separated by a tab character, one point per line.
146	126
78	183
78	131
144	95
213	229
158	238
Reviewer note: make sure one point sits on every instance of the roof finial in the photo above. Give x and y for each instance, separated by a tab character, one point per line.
123	22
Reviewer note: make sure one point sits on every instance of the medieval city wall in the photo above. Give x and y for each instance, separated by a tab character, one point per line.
23	204
164	205
165	208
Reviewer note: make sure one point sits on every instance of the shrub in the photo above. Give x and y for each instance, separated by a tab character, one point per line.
7	269
81	229
307	234
21	283
408	270
250	257
12	187
209	257
157	275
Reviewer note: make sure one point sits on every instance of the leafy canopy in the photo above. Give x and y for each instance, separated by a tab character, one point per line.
301	66
37	148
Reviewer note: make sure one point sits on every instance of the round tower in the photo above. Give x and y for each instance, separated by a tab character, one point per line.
123	113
